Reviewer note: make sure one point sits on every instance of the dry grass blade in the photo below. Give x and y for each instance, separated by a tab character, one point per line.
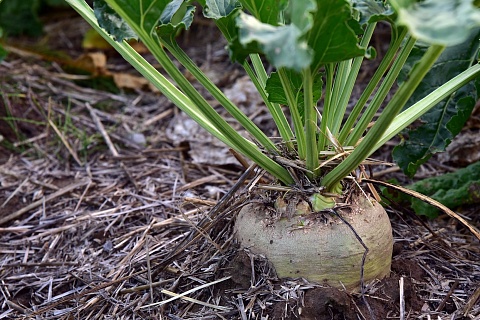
48	198
182	295
209	305
109	143
102	130
471	302
430	201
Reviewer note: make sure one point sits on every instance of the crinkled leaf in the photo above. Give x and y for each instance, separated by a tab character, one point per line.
109	20
283	45
371	53
443	122
266	11
169	27
372	10
317	34
276	94
444	22
331	36
218	9
146	14
451	189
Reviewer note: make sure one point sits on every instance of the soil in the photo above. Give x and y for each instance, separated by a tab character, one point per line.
99	220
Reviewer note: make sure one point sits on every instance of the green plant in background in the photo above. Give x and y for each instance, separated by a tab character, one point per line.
22	17
453	190
316	48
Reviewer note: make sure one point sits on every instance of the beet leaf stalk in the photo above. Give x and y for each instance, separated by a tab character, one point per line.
313	52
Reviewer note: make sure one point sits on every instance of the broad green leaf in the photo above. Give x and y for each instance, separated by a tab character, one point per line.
143	13
283	45
109	20
331	37
452	189
372	10
442	123
443	22
169	26
216	9
276	93
266	11
299	14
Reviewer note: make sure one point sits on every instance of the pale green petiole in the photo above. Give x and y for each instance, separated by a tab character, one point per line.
310	125
366	147
297	121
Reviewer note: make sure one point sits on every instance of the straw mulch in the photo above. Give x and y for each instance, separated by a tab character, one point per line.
97	222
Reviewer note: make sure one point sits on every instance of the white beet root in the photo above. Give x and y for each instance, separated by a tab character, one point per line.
322	251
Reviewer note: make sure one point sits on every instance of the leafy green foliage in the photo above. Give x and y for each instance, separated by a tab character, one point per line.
445	120
224	14
453	190
282	45
112	22
331	37
217	10
372	11
448	23
20	17
313	46
267	11
175	18
276	93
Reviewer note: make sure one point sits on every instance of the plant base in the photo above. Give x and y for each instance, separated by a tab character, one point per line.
319	246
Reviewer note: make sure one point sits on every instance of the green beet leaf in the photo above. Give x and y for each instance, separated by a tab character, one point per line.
318	33
372	11
176	16
453	190
444	22
276	93
332	37
215	9
109	20
443	122
266	11
146	14
282	45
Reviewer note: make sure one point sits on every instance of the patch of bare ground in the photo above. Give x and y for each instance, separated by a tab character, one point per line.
108	212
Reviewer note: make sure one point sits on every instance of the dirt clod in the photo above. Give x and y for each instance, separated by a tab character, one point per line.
327	303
